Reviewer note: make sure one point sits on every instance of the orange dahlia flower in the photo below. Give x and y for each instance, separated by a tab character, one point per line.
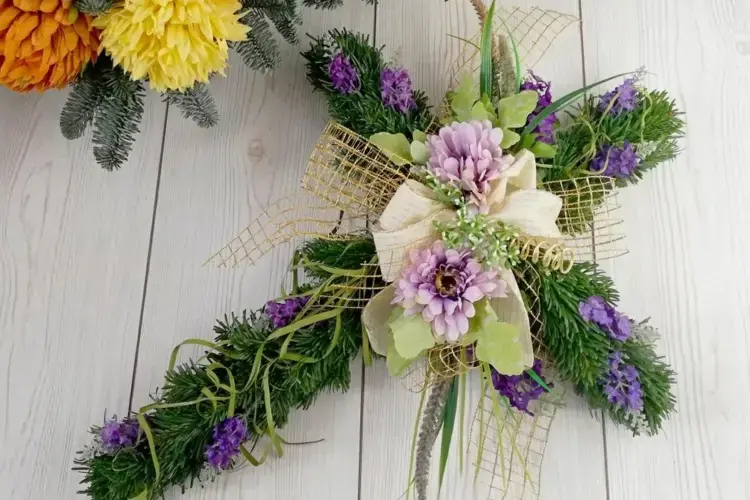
44	44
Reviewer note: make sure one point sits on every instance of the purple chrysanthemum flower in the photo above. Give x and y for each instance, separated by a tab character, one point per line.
468	156
621	384
443	285
395	90
614	161
545	129
227	438
520	389
623	98
343	74
116	435
596	310
283	313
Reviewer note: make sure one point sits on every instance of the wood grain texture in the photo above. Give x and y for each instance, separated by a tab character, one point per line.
574	462
73	246
214	183
686	226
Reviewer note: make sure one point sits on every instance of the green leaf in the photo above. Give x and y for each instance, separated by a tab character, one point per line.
544	150
420	136
449	420
419	153
539	380
513	111
509	138
395	146
499	345
485	53
394	362
463	98
479	112
411	334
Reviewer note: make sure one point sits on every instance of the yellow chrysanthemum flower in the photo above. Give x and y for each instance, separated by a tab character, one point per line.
174	43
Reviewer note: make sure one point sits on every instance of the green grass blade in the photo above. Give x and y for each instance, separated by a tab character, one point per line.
516	57
449	420
534	375
564	101
485	70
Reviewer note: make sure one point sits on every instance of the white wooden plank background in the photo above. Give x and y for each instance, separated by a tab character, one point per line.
99	270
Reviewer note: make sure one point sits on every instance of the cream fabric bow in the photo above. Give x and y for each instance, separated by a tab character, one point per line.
408	222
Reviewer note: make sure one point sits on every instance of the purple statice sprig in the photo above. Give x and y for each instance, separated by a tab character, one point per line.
227	437
396	90
545	129
615	161
281	313
621	384
622	98
344	76
520	390
115	434
598	311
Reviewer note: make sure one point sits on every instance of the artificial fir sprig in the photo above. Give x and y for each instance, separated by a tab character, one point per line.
654	125
272	373
582	350
362	110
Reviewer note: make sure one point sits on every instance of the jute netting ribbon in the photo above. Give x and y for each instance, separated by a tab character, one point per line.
350	184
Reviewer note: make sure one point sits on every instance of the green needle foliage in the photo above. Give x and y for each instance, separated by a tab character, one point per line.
181	433
118	118
106	96
94	7
581	350
196	103
654	126
362	111
83	102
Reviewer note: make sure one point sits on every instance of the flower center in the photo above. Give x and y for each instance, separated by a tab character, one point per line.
446	282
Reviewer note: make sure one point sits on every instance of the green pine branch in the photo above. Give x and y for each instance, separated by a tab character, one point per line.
655	124
362	111
84	100
118	119
259	51
94	7
580	350
181	433
195	103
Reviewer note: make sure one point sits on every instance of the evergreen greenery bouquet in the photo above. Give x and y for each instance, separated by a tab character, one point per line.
110	51
457	246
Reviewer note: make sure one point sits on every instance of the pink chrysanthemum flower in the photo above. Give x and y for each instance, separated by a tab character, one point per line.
468	155
443	286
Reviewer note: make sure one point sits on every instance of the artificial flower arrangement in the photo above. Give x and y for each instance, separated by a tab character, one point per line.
468	266
109	51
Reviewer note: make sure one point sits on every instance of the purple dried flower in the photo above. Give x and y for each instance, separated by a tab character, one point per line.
283	313
545	129
596	310
623	98
520	389
621	384
115	435
343	74
395	89
443	285
614	161
468	156
227	438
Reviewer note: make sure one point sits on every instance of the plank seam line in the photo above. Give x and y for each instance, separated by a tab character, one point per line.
148	260
362	379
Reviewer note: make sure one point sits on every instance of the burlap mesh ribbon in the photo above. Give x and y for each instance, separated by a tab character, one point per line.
349	182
